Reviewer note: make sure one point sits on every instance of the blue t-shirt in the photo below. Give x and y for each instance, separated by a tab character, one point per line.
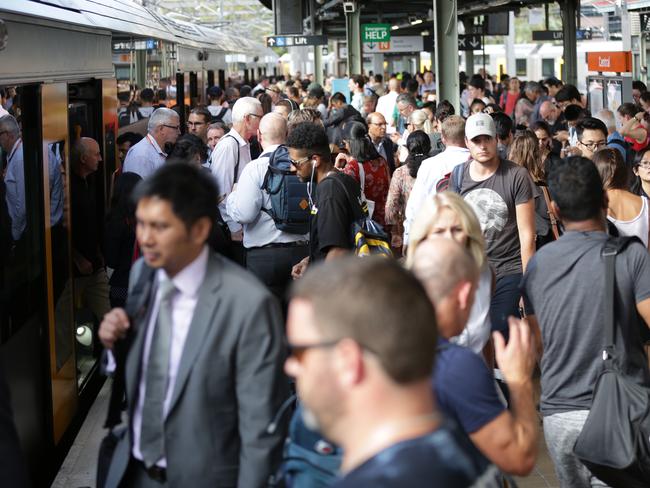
464	387
444	458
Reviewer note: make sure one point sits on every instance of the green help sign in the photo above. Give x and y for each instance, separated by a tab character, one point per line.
375	33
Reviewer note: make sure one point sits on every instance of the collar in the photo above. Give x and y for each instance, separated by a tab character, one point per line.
189	279
456	149
155	145
242	142
269	150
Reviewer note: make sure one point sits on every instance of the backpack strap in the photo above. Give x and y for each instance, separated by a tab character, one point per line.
551	215
220	115
236	176
349	197
613	246
456	178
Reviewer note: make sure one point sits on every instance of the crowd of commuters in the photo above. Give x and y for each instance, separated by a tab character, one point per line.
403	370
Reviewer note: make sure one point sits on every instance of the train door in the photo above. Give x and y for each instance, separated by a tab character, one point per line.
24	304
60	277
88	202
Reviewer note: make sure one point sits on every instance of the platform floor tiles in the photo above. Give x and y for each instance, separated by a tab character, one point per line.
78	469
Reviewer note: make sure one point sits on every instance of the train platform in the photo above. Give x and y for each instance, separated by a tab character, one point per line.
80	465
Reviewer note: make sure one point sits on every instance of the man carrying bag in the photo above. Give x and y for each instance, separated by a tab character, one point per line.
566	284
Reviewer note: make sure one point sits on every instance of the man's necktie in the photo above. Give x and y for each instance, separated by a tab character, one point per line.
152	436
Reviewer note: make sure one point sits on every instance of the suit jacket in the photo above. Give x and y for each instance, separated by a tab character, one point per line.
229	386
390	147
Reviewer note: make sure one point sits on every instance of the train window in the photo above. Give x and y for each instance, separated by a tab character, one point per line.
548	67
481	60
521	66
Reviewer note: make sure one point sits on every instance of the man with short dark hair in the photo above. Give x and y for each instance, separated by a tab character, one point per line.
205	351
505	133
362	333
335	201
476	87
553	85
146	102
500	192
356	91
568	95
565	284
219	110
198	122
592	136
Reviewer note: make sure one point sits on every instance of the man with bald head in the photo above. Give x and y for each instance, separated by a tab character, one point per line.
464	387
383	144
270	252
386	103
549	113
91	281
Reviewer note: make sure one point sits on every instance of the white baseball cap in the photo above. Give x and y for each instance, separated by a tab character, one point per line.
479	125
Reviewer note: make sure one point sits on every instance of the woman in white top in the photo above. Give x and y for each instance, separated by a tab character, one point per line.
627	211
447	215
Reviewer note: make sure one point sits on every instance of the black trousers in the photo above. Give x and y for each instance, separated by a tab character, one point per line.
272	266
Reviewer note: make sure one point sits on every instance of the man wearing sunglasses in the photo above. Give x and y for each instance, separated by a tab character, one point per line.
334	197
151	152
362	338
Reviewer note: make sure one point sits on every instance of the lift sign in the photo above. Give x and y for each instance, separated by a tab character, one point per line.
375	33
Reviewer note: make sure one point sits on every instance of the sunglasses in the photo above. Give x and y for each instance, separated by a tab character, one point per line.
297	351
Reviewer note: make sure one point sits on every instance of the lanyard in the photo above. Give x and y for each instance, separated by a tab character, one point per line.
155	145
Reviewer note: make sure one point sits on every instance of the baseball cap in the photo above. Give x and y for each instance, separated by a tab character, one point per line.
479	125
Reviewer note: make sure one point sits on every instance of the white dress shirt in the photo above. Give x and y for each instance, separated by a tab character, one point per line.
187	283
222	165
431	171
244	206
386	107
144	158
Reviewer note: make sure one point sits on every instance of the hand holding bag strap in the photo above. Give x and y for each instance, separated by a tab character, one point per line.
551	214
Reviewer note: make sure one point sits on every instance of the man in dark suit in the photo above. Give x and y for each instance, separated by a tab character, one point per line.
204	373
383	144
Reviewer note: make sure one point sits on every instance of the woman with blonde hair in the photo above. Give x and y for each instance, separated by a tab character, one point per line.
525	151
447	215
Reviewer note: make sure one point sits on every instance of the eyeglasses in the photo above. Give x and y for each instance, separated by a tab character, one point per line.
299	162
594	146
175	127
195	124
644	165
297	351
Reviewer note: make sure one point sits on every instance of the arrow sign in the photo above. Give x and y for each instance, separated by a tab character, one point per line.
469	42
371	45
282	41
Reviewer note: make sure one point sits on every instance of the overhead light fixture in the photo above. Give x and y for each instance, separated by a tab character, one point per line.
416	21
395	27
424	33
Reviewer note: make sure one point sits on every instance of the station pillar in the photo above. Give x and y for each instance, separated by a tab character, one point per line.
353	37
445	26
318	65
469	55
569	30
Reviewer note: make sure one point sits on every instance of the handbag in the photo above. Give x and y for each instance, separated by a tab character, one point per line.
614	443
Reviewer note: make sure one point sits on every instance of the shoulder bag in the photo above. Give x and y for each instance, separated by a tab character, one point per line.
614	442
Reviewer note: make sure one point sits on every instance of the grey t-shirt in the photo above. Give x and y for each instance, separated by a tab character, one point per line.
565	283
494	201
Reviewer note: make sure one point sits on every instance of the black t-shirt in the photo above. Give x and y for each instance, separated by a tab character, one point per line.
443	458
83	208
333	214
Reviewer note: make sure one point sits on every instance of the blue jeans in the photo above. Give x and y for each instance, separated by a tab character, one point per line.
505	302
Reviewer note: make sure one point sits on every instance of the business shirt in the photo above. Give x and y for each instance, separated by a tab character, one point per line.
222	166
15	189
245	204
386	107
187	283
144	158
381	150
431	171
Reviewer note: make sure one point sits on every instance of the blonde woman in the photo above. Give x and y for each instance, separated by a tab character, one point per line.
447	215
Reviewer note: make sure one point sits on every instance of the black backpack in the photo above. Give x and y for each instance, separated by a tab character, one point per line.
219	117
289	199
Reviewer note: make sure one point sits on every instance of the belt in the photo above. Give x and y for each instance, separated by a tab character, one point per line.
156	473
281	245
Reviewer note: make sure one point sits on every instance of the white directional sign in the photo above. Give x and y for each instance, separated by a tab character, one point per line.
291	41
468	42
399	44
